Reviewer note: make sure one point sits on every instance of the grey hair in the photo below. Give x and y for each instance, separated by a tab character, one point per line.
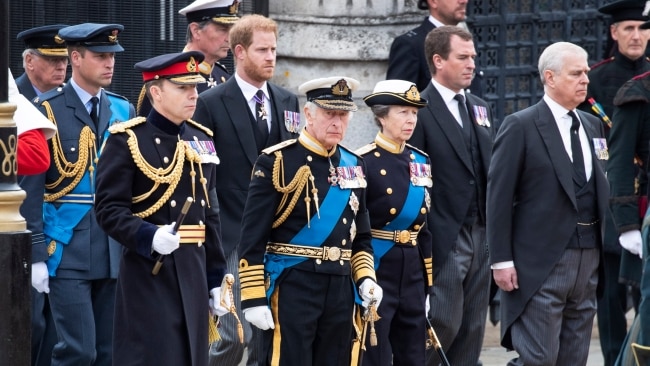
379	111
554	56
189	37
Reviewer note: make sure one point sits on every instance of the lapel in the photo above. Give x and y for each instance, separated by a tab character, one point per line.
441	115
105	113
240	117
80	112
279	103
598	170
484	135
552	139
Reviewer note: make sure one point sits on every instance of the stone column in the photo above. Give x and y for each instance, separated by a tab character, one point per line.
320	38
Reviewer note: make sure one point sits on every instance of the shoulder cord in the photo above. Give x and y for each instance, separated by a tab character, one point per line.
296	186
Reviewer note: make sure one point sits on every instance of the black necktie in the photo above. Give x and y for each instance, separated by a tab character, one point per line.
576	149
260	115
464	116
93	110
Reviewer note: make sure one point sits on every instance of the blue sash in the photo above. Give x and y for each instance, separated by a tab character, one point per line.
320	228
410	211
59	223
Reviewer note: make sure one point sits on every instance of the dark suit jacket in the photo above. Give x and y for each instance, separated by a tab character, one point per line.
532	211
406	60
436	134
225	111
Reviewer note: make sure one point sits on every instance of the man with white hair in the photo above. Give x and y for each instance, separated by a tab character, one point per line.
546	201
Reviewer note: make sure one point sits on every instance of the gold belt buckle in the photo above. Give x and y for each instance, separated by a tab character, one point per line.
403	236
331	253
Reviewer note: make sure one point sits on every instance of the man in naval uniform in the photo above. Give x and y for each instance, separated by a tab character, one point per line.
305	244
83	261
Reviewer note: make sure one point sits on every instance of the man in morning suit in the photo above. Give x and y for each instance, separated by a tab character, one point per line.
458	137
45	60
406	60
246	114
547	197
83	262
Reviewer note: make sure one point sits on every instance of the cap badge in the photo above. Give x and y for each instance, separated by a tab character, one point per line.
58	39
113	37
646	9
191	65
341	88
413	94
232	9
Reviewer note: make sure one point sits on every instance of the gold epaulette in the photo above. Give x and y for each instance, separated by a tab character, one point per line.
201	127
279	146
252	281
417	149
121	127
366	149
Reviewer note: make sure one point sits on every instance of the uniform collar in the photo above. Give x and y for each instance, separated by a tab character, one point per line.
311	144
389	145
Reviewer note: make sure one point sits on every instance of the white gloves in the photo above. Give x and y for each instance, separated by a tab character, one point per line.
370	290
631	241
40	277
164	242
216	308
427	306
260	316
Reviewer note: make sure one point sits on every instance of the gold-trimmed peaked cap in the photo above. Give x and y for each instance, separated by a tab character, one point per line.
45	40
218	11
331	93
395	92
96	37
180	68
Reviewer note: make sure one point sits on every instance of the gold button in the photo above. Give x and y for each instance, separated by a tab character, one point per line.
157	140
389	190
202	203
343	242
393	211
423	210
377	154
309	158
341	262
345	221
416	227
166	160
172	203
382	172
73	149
412	157
318	261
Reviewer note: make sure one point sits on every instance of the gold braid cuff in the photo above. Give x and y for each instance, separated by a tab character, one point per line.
87	152
428	267
252	281
363	265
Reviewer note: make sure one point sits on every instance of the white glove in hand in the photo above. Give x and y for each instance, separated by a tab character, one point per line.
164	242
631	241
40	277
215	302
260	316
427	306
370	290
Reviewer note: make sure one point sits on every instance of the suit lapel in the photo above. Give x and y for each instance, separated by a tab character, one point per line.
105	113
598	170
548	129
73	101
279	102
484	135
240	117
442	116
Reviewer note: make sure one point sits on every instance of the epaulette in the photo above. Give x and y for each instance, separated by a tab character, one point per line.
120	127
48	95
279	146
602	62
221	66
200	127
363	150
630	92
418	150
350	151
115	95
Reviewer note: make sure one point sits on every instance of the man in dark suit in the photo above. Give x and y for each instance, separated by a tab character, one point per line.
547	197
246	114
406	60
83	261
458	136
45	60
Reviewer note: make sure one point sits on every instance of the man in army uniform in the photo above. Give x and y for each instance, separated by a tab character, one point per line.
82	260
45	60
605	78
161	319
305	245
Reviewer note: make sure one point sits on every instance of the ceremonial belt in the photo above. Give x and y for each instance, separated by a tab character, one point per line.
397	236
76	198
323	253
191	234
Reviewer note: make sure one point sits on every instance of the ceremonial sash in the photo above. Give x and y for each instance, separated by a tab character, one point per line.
59	222
410	211
317	232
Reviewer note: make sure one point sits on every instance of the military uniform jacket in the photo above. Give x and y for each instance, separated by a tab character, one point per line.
178	294
261	212
391	174
90	254
225	111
